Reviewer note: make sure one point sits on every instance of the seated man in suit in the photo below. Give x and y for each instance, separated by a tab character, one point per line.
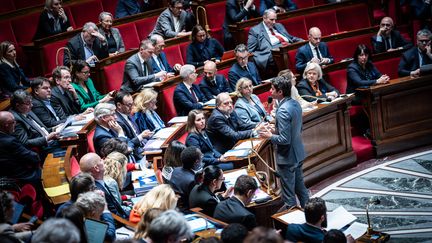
266	36
172	21
29	130
89	45
187	95
93	164
280	6
16	161
388	39
417	56
233	210
139	69
237	11
130	7
160	62
183	178
212	83
314	51
224	128
316	219
107	126
242	68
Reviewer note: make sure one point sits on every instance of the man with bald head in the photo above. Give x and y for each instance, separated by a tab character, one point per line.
16	161
388	39
314	51
93	164
212	83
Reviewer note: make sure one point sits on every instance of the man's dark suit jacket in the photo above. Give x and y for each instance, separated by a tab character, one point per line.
410	62
225	132
45	115
356	76
76	48
304	88
236	72
183	100
165	24
202	197
113	206
182	181
162	60
305	54
233	14
64	102
197	53
132	138
210	91
232	211
396	41
101	135
26	132
130	7
134	76
18	162
46	26
211	155
10	78
288	5
304	233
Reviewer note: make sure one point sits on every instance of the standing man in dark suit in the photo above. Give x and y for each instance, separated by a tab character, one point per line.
266	36
187	95
224	127
242	68
89	45
212	83
160	62
130	7
417	56
287	137
233	210
280	6
16	161
237	11
388	39
138	69
172	21
314	51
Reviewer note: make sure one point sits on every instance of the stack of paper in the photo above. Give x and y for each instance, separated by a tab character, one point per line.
237	153
144	185
178	119
211	102
198	224
164	133
153	144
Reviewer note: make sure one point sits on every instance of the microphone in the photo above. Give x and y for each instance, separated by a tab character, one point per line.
269	100
319	99
372	201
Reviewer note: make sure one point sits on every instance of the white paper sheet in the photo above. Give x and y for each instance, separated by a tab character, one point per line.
295	217
211	102
248	144
178	119
124	233
153	144
339	218
237	153
356	230
164	133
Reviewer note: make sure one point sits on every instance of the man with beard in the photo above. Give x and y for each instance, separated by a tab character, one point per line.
316	219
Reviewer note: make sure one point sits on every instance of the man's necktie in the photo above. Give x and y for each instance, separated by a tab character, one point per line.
317	53
279	37
144	66
387	43
195	99
161	66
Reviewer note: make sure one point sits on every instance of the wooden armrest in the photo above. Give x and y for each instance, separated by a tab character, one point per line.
123	221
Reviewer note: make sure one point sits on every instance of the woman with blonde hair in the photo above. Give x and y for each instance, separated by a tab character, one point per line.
161	196
145	115
114	176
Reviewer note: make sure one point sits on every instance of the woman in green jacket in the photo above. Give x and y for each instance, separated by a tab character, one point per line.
87	93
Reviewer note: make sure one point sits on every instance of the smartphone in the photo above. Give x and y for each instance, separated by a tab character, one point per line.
33	219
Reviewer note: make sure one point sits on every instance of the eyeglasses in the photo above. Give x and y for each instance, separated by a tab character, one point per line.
221	179
86	72
424	41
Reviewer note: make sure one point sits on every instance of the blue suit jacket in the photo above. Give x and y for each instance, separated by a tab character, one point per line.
410	61
356	76
163	60
45	115
232	211
305	54
247	113
130	7
266	4
133	140
304	233
183	100
113	206
182	181
144	123
101	136
211	155
209	90
197	54
236	72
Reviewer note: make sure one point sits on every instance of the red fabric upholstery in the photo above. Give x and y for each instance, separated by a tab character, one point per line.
130	35
145	26
362	147
319	2
174	55
263	97
182	139
49	55
90	144
326	21
69	14
296	26
224	72
304	3
215	19
183	49
291	60
75	168
389	67
228	55
19	4
338	80
109	5
6	32
25	27
114	75
86	11
351	18
169	110
349	45
7	6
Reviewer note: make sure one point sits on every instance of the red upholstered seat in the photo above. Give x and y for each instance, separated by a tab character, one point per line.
130	35
49	55
326	21
183	49
7	6
6	32
114	75
215	19
145	26
109	6
296	26
337	79
263	97
86	11
351	18
168	109
90	144
349	45
304	3
291	60
389	67
362	147
182	139
24	27
174	55
75	168
224	72
19	4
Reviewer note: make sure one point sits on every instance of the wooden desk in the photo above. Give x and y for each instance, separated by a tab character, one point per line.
400	114
280	224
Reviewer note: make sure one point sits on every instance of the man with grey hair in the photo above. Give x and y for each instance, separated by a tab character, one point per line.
242	68
139	69
89	45
57	230
187	95
169	226
160	62
417	56
266	36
